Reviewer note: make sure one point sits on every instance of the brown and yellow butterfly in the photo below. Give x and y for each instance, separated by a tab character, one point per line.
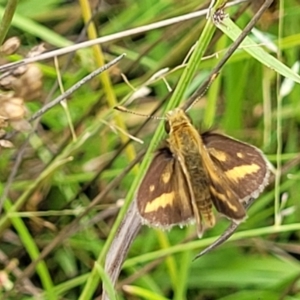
193	172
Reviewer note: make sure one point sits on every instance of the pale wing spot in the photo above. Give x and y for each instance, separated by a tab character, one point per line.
166	177
220	155
240	155
223	198
239	172
160	202
232	207
217	194
152	188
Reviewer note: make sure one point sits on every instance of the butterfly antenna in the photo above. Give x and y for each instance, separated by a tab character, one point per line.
211	80
123	109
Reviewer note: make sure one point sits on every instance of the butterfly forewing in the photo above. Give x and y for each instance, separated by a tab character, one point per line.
244	166
163	198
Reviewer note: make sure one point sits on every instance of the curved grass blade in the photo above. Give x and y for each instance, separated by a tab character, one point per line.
256	51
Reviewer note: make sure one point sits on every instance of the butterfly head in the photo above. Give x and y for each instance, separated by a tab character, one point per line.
176	119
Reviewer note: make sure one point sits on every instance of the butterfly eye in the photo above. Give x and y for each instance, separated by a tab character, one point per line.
167	126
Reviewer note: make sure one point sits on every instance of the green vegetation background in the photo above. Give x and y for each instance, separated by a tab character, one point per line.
248	101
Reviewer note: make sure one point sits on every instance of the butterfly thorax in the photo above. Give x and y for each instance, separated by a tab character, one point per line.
187	147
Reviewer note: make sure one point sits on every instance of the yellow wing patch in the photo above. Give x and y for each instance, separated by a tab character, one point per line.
160	202
220	155
240	155
151	188
223	198
166	176
239	172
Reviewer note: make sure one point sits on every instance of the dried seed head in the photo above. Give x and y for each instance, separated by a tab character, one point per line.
12	108
6	144
10	46
28	86
19	71
37	50
17	86
21	125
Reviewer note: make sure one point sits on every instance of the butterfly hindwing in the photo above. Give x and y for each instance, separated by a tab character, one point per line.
225	200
